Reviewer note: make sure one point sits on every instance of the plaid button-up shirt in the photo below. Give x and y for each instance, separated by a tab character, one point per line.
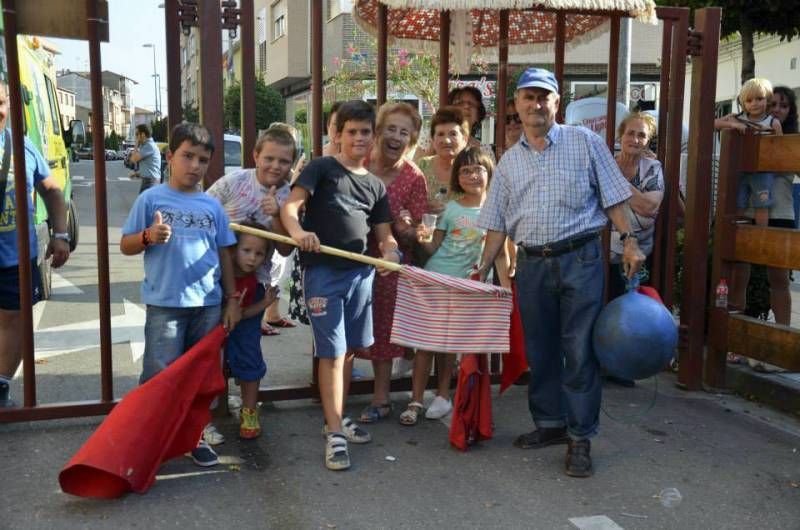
543	197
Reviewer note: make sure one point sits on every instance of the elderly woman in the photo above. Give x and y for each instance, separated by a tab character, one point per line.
646	179
397	131
450	134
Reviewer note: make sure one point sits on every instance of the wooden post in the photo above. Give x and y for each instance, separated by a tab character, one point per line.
561	32
444	57
663	223
698	188
611	119
211	101
248	109
383	38
316	77
21	197
173	34
672	157
502	85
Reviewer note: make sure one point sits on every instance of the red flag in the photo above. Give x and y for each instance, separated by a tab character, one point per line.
514	363
472	410
155	422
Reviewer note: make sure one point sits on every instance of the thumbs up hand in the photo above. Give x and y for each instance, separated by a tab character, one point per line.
159	232
269	204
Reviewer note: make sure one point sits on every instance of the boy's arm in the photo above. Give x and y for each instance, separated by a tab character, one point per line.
290	218
388	245
728	122
259	307
231	312
157	233
777	128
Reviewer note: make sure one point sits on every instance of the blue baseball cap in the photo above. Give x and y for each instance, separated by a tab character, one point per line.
538	78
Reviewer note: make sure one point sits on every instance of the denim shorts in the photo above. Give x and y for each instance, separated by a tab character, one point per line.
170	331
339	304
9	286
755	189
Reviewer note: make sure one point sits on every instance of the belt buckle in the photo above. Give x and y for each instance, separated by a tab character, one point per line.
546	250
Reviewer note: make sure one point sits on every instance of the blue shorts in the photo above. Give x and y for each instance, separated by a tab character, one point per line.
243	348
169	332
339	304
755	189
9	286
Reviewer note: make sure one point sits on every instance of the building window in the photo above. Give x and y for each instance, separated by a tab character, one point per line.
278	19
262	57
793	63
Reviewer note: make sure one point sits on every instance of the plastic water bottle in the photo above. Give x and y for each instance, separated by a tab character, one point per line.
722	294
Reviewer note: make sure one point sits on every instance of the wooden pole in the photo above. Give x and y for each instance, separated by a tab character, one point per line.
316	77
100	202
444	57
561	33
211	101
383	38
173	35
502	85
248	109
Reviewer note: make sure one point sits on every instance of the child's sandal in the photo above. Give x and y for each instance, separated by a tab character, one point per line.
374	413
410	416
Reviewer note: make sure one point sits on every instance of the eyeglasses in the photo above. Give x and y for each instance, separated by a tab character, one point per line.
513	118
472	171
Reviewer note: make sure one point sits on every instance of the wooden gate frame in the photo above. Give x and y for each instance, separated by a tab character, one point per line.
773	247
677	41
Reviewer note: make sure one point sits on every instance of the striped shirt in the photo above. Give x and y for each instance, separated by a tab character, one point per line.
539	197
439	313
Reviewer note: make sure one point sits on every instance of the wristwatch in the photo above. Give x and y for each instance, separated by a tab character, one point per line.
625	235
62	235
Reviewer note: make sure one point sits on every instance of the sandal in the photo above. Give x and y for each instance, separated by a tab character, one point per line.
374	413
410	416
282	323
268	330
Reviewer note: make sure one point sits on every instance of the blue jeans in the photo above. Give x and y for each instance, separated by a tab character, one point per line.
170	331
559	300
796	198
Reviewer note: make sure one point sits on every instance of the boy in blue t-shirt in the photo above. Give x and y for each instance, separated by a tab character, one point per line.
342	201
184	234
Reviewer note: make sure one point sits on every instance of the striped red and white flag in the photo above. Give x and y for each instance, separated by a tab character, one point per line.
440	313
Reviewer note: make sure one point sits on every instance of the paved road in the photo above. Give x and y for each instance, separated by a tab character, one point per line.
736	464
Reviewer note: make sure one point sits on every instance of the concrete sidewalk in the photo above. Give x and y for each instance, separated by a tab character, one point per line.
736	465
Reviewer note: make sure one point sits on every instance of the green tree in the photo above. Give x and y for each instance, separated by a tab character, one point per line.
748	17
159	130
191	114
112	141
270	106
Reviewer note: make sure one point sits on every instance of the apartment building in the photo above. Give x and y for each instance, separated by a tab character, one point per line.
190	69
117	94
66	103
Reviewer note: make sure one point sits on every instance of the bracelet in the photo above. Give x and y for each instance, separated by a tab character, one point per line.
146	238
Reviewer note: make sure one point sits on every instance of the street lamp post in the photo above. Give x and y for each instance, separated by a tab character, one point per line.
155	79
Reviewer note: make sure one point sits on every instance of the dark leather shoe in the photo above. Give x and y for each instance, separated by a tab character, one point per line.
579	461
542	438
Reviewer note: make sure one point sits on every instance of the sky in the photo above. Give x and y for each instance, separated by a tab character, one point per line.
132	23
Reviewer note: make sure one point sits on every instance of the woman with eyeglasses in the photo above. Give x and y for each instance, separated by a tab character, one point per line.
513	125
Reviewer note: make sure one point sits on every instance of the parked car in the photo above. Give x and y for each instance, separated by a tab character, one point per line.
233	152
85	152
120	155
110	154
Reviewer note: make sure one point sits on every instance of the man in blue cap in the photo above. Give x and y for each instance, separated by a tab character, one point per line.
552	193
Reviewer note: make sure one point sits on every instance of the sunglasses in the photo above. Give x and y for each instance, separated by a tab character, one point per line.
513	118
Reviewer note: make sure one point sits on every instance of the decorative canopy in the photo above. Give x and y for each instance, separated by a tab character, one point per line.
474	26
643	10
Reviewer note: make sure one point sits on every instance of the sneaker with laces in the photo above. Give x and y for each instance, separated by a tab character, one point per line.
337	458
249	427
204	456
212	436
352	432
440	407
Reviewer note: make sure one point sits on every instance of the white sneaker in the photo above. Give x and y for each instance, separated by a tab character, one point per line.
212	436
439	408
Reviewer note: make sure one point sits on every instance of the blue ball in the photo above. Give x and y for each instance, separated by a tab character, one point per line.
634	336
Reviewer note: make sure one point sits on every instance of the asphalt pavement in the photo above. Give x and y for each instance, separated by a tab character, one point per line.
735	464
